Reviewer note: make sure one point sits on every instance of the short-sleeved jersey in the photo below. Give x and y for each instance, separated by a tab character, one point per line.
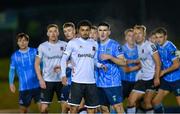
23	63
167	55
145	53
111	77
130	54
50	55
82	53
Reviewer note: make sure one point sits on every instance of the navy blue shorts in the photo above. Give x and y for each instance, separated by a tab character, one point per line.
127	87
65	92
25	97
171	86
110	96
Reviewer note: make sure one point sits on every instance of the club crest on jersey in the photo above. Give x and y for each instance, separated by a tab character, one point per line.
108	50
62	48
119	48
153	48
80	47
142	50
49	49
94	48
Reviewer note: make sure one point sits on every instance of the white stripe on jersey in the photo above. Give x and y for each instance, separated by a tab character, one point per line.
51	55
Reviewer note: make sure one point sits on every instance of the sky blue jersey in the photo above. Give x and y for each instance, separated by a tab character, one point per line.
23	63
111	77
167	55
130	54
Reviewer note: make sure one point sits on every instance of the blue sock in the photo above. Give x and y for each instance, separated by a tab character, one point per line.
159	108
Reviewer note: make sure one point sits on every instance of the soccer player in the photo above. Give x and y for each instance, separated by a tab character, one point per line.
50	54
170	70
148	75
22	62
94	33
82	51
133	64
109	80
69	33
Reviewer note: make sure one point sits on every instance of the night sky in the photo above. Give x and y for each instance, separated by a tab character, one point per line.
121	14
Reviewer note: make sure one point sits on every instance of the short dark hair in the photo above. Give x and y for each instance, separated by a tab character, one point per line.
68	24
104	24
94	27
84	23
52	25
22	35
161	30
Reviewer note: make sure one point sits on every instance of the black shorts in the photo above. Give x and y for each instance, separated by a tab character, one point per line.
25	97
48	93
87	91
141	86
127	88
65	93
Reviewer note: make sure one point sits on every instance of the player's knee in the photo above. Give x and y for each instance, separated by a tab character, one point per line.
148	103
44	108
131	102
74	109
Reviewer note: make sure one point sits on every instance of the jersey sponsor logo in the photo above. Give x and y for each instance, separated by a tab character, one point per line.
142	50
94	48
55	57
85	55
62	48
153	48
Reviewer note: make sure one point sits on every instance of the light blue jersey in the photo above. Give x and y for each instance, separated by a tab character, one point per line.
167	55
130	54
23	63
111	77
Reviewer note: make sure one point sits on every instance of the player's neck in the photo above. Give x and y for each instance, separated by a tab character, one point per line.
23	49
53	41
104	41
131	45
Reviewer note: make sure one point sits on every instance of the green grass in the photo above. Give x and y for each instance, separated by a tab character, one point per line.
10	100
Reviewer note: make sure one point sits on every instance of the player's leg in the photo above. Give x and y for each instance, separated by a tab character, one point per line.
91	98
158	108
36	96
136	94
46	96
148	101
64	97
176	90
24	101
75	97
103	101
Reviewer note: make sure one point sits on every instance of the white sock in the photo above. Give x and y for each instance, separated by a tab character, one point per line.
131	110
150	112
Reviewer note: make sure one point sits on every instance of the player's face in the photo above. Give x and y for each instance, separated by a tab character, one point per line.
153	39
69	33
23	43
161	38
139	35
84	32
53	34
130	38
103	32
93	34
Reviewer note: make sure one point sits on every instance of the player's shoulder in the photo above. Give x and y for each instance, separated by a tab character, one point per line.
44	44
170	44
62	42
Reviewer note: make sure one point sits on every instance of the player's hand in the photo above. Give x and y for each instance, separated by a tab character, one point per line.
64	80
162	73
156	82
12	88
42	84
57	69
106	56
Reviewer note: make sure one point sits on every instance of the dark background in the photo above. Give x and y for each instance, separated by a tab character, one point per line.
32	17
